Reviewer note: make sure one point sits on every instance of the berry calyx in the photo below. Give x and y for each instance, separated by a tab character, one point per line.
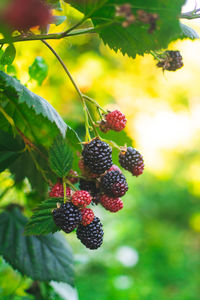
81	198
87	216
91	235
57	191
171	61
97	156
131	160
67	217
114	120
111	204
114	184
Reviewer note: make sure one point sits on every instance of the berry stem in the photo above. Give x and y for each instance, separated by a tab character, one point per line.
94	102
70	184
64	190
87	137
112	144
92	123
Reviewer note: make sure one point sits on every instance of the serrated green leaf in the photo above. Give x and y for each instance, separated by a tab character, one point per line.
42	258
8	56
134	39
10	149
60	157
41	221
32	114
38	70
57	20
188	32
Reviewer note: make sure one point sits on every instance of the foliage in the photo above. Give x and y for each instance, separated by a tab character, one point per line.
37	146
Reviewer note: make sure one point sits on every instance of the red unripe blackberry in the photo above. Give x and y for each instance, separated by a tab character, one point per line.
114	184
73	176
97	156
23	14
81	198
172	61
87	216
111	204
91	235
115	168
67	217
114	120
57	191
131	160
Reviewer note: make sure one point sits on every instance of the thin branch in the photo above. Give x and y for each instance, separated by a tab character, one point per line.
190	15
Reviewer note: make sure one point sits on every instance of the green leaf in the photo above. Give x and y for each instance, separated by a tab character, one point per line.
8	56
41	221
57	20
60	157
134	39
188	32
32	114
38	70
42	258
10	149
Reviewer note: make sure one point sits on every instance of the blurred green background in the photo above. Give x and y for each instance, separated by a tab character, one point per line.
151	248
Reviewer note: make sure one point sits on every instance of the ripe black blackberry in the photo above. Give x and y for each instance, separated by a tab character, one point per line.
67	217
97	156
114	184
91	235
172	61
131	160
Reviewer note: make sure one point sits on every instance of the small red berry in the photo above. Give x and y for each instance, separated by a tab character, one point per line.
111	204
81	198
57	191
87	216
73	176
24	14
114	120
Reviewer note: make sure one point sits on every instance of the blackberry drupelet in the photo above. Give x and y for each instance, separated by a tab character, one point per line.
67	217
90	186
131	160
91	235
97	156
114	184
172	62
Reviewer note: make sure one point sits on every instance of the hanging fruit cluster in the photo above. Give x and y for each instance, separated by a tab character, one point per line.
100	182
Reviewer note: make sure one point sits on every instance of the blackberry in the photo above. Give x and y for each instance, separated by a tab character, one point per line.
114	184
57	191
81	199
172	61
91	235
115	168
87	216
97	156
114	120
132	160
111	204
67	217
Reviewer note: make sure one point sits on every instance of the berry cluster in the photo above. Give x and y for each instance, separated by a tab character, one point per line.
171	61
101	182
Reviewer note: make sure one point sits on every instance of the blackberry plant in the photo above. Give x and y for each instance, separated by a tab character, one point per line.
36	144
